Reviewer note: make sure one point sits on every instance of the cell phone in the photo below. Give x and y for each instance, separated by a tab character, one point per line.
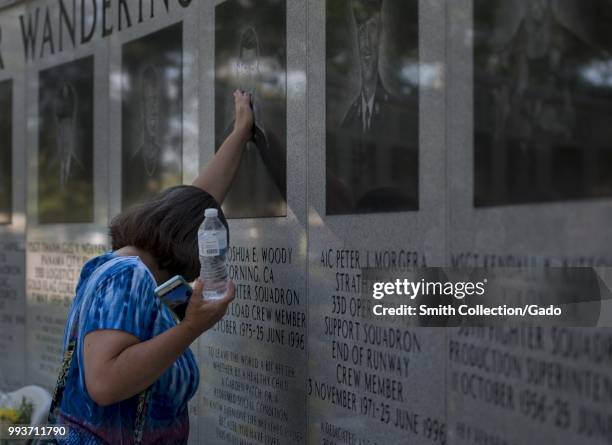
175	294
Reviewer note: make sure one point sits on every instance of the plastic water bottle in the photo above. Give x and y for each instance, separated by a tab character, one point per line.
212	243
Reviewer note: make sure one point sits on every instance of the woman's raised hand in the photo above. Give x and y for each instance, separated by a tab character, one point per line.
201	314
244	114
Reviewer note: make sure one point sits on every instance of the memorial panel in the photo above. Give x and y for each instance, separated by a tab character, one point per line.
542	101
373	379
53	269
65	157
251	55
152	114
253	363
553	382
372	106
254	359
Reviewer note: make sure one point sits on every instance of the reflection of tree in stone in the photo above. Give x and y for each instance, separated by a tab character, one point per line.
65	143
65	106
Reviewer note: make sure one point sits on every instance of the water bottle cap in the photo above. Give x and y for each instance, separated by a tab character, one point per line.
211	213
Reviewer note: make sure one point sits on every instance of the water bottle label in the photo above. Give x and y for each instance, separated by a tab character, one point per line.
209	246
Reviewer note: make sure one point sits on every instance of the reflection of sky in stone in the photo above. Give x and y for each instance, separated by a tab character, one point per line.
173	74
271	79
296	80
341	58
98	238
17	224
598	73
169	158
428	75
116	79
253	233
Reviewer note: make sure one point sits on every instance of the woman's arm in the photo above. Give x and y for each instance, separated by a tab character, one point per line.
218	175
118	365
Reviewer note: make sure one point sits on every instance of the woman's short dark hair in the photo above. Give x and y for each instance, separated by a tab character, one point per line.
167	228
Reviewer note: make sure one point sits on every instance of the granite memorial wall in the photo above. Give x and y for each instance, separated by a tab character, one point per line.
391	136
526	191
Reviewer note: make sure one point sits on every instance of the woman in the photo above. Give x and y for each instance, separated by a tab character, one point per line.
128	372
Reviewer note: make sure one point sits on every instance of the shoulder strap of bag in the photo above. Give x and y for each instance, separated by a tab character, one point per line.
60	385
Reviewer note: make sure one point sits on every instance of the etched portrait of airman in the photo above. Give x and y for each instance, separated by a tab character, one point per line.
152	114
541	103
250	55
372	155
65	109
65	154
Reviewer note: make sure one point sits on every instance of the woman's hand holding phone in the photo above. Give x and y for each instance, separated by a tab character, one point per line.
202	314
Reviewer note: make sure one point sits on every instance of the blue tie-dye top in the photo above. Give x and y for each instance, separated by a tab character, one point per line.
122	297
